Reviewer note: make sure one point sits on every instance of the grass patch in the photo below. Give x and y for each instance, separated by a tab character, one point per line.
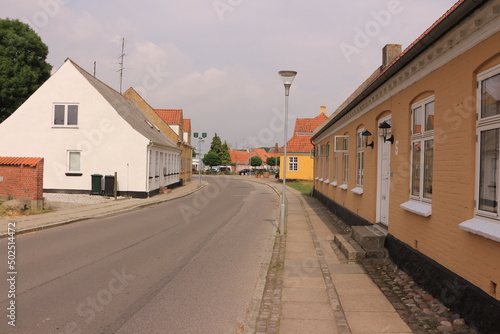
304	187
16	213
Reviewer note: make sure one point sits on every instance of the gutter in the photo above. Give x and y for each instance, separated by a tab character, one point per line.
148	157
450	20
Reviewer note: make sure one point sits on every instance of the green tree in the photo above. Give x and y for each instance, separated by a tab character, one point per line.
211	159
255	161
224	154
23	65
272	161
216	145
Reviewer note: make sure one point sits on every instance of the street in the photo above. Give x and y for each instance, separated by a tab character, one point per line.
185	266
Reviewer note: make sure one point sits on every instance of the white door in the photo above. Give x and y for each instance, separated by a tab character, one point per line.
384	179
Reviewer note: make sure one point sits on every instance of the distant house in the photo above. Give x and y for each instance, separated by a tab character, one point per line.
241	159
415	149
82	127
300	162
182	127
173	125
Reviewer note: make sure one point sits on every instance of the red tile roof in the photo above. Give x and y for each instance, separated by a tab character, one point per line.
170	116
307	125
18	161
187	125
299	144
241	157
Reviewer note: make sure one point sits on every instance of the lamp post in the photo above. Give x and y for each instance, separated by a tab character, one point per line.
287	78
200	141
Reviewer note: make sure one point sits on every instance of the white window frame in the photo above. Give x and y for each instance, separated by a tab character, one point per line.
483	125
69	169
66	111
342	146
360	158
421	138
294	164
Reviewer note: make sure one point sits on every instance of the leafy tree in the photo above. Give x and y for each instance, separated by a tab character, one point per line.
23	65
216	145
255	161
272	161
224	154
211	159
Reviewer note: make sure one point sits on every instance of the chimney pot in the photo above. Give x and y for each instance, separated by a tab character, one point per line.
322	109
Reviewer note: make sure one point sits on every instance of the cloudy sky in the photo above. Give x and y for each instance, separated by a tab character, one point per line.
218	60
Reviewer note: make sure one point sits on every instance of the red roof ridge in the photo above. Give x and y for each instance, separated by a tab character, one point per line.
19	161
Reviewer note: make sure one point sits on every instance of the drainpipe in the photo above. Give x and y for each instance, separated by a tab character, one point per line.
148	158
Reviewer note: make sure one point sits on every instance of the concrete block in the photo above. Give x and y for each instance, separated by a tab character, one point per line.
369	237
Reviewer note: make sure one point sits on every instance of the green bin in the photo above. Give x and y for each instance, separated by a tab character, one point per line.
96	184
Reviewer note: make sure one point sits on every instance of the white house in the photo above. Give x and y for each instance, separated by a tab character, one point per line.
82	127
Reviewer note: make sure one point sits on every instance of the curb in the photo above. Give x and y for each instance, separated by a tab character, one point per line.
124	209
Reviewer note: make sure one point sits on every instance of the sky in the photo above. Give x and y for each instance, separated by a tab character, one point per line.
218	60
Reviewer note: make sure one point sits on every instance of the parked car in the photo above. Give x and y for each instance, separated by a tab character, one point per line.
245	171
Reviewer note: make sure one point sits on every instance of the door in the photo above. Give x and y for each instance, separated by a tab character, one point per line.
384	178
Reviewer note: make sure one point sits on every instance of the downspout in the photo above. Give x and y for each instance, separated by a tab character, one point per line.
148	158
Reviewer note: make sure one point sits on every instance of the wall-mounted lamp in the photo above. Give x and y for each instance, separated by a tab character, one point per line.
366	134
384	126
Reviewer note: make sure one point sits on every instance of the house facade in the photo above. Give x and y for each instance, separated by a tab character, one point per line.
433	116
300	156
82	127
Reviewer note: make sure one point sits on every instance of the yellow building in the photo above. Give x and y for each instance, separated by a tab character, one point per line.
300	162
430	177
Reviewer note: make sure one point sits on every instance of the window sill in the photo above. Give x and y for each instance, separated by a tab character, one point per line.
317	178
334	183
327	181
64	126
357	190
74	174
320	180
343	186
418	208
482	227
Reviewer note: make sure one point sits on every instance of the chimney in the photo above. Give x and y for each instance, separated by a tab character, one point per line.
322	109
389	53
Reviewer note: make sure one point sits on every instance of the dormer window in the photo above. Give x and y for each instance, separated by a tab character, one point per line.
65	115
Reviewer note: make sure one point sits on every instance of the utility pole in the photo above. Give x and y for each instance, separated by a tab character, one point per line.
200	141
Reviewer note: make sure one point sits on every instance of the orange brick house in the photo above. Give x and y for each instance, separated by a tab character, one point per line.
431	175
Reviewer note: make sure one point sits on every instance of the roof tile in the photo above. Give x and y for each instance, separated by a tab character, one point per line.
19	161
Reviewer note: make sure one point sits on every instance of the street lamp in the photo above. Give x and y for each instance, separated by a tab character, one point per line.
287	78
200	141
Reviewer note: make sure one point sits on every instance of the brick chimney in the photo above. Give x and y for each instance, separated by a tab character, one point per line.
389	53
322	109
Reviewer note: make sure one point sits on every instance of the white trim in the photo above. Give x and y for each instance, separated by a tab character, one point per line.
320	180
357	190
482	227
418	208
327	181
316	178
343	186
334	183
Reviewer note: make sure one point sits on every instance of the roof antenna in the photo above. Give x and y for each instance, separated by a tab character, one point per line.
121	64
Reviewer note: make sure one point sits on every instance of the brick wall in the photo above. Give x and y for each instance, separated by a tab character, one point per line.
24	181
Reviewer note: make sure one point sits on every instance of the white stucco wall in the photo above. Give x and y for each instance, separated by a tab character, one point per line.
108	144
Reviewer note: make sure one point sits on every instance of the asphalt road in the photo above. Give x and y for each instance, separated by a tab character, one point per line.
185	266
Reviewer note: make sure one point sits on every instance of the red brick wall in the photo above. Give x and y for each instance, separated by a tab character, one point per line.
22	181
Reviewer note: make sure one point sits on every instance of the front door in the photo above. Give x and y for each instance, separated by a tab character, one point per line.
384	178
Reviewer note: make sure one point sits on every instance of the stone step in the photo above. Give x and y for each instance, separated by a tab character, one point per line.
351	250
369	237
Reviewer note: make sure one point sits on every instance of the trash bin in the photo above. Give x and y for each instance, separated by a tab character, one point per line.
96	184
109	185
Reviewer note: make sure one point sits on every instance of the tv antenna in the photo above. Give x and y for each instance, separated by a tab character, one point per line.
122	55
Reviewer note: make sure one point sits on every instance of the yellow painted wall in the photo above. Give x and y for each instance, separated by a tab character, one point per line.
305	167
438	236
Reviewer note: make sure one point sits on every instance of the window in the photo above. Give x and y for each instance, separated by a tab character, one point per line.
74	164
488	138
341	147
360	158
293	164
66	114
335	168
422	149
157	169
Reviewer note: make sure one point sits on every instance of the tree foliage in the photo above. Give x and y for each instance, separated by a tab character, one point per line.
211	159
272	161
23	65
222	150
255	161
